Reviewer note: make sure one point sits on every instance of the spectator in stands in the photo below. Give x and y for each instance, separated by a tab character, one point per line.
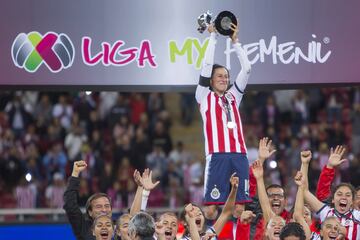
43	113
63	111
11	166
25	194
161	137
103	228
155	106
357	199
120	109
157	160
137	106
54	192
19	118
107	101
73	142
55	160
141	147
355	117
187	106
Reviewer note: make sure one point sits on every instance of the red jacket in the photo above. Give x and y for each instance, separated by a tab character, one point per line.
326	178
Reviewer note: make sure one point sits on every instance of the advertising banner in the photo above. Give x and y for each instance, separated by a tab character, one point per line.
136	45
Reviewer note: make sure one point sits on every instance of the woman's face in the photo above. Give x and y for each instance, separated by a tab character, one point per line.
220	80
274	227
343	199
103	228
122	228
199	219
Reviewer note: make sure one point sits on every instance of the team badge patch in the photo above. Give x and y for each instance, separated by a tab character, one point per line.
215	193
229	97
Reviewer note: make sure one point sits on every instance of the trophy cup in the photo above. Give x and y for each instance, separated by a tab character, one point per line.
222	22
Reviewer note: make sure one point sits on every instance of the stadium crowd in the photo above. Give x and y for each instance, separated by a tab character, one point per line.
43	134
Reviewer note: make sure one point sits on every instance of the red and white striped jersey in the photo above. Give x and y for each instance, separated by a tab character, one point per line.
350	220
218	136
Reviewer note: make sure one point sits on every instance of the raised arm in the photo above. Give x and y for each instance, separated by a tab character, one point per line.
263	197
242	78
305	157
190	219
243	225
145	185
71	205
299	204
229	205
204	82
136	204
314	203
265	151
327	175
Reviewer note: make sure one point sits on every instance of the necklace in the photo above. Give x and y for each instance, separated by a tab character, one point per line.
226	106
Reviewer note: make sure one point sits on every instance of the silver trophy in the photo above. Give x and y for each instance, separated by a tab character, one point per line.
204	20
222	22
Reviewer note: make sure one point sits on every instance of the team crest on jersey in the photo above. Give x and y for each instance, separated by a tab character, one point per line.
229	97
347	223
215	193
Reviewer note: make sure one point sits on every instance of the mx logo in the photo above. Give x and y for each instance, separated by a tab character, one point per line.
30	50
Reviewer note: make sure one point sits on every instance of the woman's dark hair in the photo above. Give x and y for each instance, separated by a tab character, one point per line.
292	229
216	66
351	187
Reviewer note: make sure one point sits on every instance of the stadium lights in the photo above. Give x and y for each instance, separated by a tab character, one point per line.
28	177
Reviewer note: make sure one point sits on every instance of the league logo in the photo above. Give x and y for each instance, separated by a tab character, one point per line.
30	50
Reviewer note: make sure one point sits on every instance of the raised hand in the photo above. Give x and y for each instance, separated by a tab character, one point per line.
335	156
234	36
342	233
234	181
265	149
160	230
189	209
258	170
79	166
137	178
147	182
208	236
305	156
211	28
299	179
247	216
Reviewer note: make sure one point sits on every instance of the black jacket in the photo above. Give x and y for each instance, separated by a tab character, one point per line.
80	223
